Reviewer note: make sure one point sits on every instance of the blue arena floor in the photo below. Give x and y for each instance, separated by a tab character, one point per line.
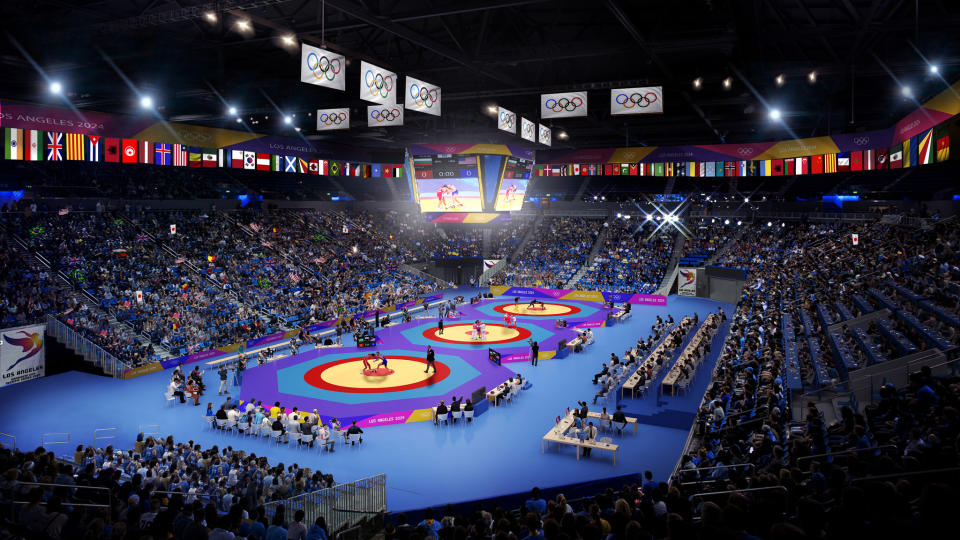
498	454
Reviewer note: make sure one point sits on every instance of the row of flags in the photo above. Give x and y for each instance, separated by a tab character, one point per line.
37	145
932	146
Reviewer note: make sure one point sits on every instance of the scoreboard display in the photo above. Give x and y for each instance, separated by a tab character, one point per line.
512	187
448	183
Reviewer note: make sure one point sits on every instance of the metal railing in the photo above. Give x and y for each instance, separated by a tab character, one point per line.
8	437
104	434
343	505
101	497
781	489
90	351
149	430
849	452
48	439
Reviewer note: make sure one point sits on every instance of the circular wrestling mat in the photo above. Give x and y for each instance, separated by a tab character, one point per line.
460	333
346	375
549	310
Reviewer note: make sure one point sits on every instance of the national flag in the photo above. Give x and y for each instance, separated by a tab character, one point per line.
658	169
709	169
195	157
249	160
914	151
805	165
375	170
94	150
289	164
398	171
13	143
896	157
777	167
742	168
869	159
624	169
179	155
789	167
54	146
883	158
633	169
829	163
766	169
925	148
236	159
276	163
263	161
209	157
147	152
368	171
314	167
702	168
142	237
111	150
607	169
161	154
324	167
128	151
75	147
336	168
223	159
347	170
942	135
798	166
753	168
719	166
303	166
856	160
616	169
843	162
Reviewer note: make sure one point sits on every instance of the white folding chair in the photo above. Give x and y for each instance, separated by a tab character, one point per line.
456	416
307	440
468	415
208	421
277	435
620	427
606	425
243	428
295	437
222	424
232	426
171	399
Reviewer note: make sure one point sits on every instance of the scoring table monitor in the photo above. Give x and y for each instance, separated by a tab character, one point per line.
448	183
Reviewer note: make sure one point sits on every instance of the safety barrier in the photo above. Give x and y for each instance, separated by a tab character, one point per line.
149	430
90	351
8	437
101	434
52	439
343	505
93	496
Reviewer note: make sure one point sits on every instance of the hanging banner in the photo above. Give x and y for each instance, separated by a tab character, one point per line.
331	119
422	97
22	354
322	68
563	105
687	284
384	115
506	120
377	84
528	130
490	263
545	135
637	100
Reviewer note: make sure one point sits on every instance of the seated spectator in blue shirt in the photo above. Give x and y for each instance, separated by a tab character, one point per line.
536	503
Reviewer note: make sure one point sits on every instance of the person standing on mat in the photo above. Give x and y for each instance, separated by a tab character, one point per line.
440	326
431	361
534	353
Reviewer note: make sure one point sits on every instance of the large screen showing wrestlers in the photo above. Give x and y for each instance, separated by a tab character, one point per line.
448	183
513	184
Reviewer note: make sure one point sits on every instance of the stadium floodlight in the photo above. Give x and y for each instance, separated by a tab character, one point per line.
934	69
739	222
297	128
287	120
239	120
775	114
146	102
727	83
355	249
648	217
746	199
769	224
233	111
812	77
619	215
626	216
492	109
906	91
726	222
697	83
243	24
595	197
289	40
562	135
780	79
56	87
210	16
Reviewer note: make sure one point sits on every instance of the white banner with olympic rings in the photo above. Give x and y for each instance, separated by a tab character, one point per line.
563	105
322	68
330	119
528	130
545	135
377	84
506	120
638	100
384	115
422	97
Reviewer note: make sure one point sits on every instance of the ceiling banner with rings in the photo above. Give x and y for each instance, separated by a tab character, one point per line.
322	68
384	115
528	130
638	100
422	97
506	120
545	135
377	84
563	104
330	119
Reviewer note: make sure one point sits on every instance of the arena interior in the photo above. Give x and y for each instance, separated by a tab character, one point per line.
354	269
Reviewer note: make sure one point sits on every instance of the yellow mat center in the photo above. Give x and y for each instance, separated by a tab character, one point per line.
349	374
548	309
494	333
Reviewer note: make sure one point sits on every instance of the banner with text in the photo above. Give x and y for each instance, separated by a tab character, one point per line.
589	296
687	286
22	354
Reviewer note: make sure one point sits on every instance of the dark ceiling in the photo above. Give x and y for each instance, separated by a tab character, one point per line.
504	52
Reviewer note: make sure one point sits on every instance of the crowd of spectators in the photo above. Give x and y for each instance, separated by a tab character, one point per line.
707	236
557	249
630	260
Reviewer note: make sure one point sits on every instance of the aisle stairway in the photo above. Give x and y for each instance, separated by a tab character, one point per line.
597	246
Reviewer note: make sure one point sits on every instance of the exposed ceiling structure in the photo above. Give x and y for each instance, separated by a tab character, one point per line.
194	59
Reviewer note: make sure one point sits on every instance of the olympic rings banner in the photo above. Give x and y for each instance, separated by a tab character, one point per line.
422	97
322	68
330	119
638	100
545	135
563	105
506	120
384	115
377	84
528	130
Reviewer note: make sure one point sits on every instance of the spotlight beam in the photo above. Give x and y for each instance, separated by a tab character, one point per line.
43	74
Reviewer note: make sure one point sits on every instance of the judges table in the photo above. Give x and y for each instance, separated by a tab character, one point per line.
558	434
633	382
630	420
704	333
